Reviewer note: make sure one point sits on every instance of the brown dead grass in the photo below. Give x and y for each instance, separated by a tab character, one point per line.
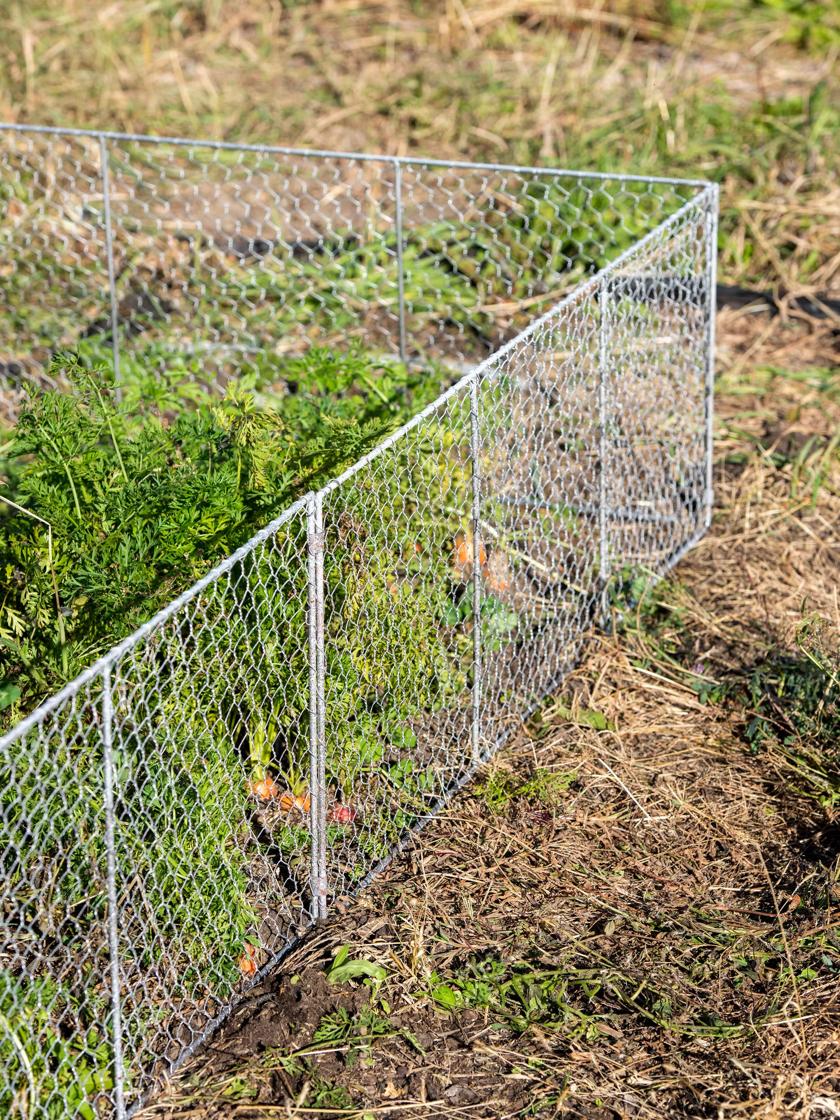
259	70
681	874
617	85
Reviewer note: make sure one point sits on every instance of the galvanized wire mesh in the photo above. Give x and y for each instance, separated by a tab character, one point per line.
178	815
182	256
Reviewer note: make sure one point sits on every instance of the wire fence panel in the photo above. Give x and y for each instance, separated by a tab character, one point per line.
654	324
593	460
179	814
56	1028
212	815
226	259
539	512
170	259
499	247
174	845
53	269
397	566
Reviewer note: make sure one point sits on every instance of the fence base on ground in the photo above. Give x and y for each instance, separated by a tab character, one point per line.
179	815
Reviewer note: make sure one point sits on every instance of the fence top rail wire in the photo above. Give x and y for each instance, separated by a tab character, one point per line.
707	191
325	153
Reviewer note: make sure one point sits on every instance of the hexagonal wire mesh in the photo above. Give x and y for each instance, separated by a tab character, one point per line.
179	814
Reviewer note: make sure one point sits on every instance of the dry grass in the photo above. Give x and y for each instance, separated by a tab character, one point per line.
725	90
674	883
350	66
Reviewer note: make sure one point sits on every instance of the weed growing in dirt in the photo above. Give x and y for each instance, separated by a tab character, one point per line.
343	970
501	787
518	996
587	993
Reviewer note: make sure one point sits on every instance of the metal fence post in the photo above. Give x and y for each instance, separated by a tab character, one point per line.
604	572
400	262
475	450
113	924
711	249
109	251
317	706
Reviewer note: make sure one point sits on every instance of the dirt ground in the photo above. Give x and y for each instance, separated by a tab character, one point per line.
642	921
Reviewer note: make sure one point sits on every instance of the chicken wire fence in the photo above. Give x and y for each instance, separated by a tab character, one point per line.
177	816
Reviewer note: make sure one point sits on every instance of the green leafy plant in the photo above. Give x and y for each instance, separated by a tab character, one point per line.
501	787
583	717
138	506
341	1027
344	969
45	1065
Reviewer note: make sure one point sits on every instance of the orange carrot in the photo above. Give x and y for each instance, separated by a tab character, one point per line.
264	789
463	553
247	964
290	801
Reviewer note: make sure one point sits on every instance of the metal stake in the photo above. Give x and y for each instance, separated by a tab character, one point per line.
317	705
113	927
475	449
711	249
603	514
109	250
400	262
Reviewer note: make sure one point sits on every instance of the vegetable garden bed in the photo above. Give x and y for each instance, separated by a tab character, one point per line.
195	338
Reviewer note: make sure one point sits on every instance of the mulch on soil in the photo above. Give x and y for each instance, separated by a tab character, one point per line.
665	898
